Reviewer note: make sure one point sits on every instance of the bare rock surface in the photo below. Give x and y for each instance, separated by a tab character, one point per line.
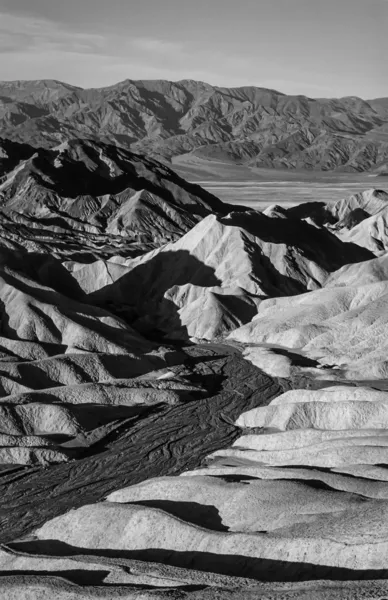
212	280
370	271
342	326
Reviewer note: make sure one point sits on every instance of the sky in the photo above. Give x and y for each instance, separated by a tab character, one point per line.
319	48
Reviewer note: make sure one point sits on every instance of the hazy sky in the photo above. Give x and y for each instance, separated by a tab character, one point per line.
312	47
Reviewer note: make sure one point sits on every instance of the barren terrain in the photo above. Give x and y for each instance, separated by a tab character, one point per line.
193	362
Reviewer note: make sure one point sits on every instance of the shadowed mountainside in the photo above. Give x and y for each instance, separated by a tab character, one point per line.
98	195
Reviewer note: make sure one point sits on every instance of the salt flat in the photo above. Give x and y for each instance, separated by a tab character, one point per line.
259	188
261	194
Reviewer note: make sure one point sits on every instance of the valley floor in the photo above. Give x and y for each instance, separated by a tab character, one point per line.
259	188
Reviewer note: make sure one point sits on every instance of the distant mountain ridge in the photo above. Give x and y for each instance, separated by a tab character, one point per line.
250	125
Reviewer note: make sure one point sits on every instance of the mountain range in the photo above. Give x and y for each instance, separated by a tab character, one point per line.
249	125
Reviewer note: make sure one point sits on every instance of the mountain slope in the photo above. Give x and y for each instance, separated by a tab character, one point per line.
255	126
212	279
88	189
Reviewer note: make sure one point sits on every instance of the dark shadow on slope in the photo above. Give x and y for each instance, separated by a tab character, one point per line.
260	569
14	152
211	382
317	211
43	268
315	484
81	584
354	218
34	375
139	296
169	117
320	214
95	441
203	515
253	568
315	244
272	282
93	416
5	328
51	273
297	360
86	316
240	309
236	478
81	577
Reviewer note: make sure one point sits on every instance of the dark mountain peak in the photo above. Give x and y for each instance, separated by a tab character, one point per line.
11	153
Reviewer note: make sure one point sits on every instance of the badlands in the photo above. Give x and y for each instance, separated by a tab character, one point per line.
193	394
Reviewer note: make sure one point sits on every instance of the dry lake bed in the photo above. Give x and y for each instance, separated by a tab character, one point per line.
259	188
